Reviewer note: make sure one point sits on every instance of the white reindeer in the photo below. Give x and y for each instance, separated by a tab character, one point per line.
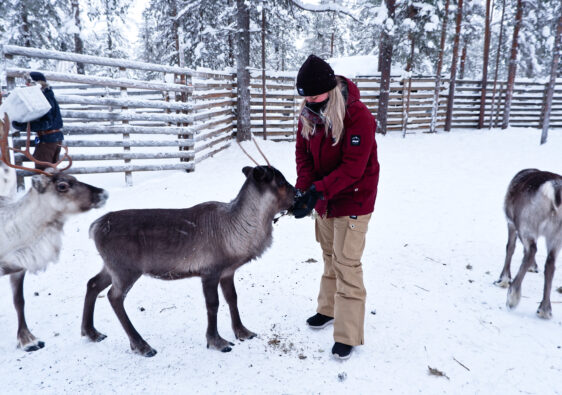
31	231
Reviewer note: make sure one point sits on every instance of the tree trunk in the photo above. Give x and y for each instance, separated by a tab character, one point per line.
550	89
381	50
243	125
498	53
175	30
230	37
25	29
264	112
512	65
405	112
485	67
451	99
435	105
109	27
386	63
78	43
463	61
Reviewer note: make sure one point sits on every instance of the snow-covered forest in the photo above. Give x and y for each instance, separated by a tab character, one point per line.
202	33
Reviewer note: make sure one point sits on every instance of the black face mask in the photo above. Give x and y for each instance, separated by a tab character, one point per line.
317	107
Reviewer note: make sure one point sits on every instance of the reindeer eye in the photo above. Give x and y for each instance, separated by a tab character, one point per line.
62	186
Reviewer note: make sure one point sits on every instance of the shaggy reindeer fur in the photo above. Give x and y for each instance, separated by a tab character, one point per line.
7	180
210	240
533	207
31	233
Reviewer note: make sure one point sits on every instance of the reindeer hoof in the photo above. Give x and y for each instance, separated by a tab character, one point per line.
94	335
513	298
502	283
143	349
544	313
34	347
248	337
243	334
218	343
99	338
533	269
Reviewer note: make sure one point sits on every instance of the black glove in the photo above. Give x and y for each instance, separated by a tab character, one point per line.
305	202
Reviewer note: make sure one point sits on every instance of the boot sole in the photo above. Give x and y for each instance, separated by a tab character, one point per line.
320	326
337	356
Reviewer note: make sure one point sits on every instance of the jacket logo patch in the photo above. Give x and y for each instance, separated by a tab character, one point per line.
355	139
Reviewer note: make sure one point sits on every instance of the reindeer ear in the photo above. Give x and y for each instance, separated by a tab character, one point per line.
259	173
263	174
247	170
40	182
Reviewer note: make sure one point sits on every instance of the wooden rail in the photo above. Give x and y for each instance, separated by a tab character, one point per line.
172	121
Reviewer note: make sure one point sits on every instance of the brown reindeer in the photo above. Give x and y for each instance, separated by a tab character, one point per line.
210	240
31	231
533	207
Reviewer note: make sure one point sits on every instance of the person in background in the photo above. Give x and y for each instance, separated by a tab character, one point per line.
48	127
337	174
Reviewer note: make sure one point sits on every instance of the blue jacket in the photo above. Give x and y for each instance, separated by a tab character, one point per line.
50	121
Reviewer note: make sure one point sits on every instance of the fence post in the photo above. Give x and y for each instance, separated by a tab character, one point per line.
406	108
187	98
126	136
543	106
264	112
10	85
502	90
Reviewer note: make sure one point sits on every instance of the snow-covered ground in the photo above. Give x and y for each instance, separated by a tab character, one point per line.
435	245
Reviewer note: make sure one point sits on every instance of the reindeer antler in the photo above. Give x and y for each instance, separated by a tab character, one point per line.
5	150
259	149
247	154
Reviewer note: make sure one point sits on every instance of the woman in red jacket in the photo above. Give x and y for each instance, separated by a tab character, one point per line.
337	174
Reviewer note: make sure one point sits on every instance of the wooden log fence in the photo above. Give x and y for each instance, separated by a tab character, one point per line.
137	116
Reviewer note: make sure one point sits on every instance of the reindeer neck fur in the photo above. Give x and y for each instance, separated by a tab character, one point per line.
250	224
31	232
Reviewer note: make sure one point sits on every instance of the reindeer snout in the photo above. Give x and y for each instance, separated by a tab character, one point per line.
97	199
100	198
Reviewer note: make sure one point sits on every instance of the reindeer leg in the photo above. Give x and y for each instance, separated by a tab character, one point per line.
533	268
96	284
116	296
26	340
229	292
545	309
505	276
210	290
514	292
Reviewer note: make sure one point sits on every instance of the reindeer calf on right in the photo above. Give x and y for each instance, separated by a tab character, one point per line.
533	207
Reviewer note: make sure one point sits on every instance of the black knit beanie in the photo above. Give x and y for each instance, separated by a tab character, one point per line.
315	77
37	76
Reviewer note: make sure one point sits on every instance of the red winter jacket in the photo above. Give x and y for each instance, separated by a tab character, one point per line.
347	174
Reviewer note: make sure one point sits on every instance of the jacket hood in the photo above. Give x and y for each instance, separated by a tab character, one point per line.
353	94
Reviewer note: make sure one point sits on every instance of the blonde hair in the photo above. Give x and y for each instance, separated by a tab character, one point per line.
333	115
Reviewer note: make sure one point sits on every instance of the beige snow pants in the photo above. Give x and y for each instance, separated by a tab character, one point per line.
342	293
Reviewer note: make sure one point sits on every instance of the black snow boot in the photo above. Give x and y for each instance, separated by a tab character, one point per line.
319	321
341	351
